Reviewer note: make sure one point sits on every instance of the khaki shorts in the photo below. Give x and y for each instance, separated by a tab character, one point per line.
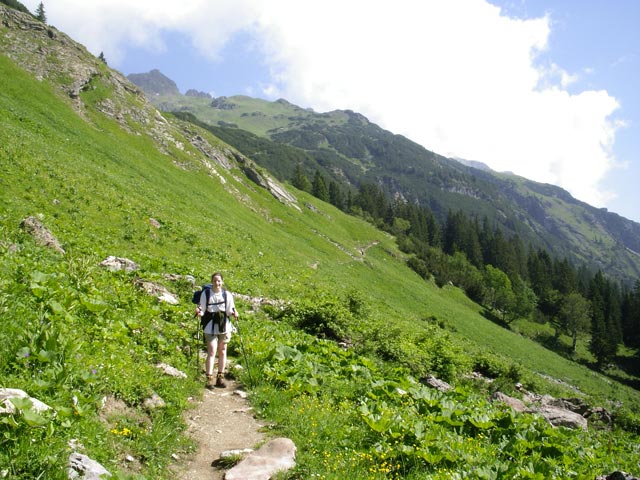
225	337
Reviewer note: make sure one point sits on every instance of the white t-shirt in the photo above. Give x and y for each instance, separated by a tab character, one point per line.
216	304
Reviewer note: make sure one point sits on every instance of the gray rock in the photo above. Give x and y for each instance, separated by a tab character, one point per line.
274	456
561	417
171	371
436	383
118	263
158	291
516	404
81	466
617	475
41	234
153	402
6	407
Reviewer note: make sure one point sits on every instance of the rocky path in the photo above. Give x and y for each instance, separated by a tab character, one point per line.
222	421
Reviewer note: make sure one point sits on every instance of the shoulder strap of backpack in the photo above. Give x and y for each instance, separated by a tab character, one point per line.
224	296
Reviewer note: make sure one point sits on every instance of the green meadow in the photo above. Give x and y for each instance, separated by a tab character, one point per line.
75	333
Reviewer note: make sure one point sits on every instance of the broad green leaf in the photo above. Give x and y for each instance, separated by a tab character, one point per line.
34	419
21	403
94	305
56	307
38	290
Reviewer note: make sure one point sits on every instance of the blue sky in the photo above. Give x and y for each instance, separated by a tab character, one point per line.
542	88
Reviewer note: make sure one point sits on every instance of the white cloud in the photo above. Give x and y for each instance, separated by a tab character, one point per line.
453	75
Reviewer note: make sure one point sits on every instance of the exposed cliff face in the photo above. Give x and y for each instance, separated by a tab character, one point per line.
53	57
72	71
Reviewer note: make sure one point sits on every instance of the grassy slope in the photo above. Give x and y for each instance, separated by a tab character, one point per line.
109	184
568	221
246	114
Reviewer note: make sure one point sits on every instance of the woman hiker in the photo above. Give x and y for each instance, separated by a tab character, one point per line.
214	310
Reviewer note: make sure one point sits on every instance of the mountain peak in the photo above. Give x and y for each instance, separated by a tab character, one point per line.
154	83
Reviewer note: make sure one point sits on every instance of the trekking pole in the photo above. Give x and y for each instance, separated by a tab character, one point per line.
244	354
196	350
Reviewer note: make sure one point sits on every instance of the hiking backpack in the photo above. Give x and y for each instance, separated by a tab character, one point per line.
206	316
198	293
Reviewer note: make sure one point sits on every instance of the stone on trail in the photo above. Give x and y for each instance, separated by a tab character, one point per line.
274	456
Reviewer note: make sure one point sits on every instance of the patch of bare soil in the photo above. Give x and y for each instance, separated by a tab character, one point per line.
222	421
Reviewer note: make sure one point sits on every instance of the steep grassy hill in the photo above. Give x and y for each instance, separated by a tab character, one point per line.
83	151
346	147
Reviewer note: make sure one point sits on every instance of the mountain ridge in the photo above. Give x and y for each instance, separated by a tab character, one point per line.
348	148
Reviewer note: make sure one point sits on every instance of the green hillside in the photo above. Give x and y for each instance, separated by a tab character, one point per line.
350	150
334	368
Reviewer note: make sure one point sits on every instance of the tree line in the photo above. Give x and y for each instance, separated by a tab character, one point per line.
510	279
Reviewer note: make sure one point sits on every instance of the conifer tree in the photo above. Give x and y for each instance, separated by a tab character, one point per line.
335	195
40	15
319	187
102	58
631	316
605	320
300	180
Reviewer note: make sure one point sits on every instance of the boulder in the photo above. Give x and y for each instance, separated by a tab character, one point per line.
617	475
548	408
6	407
274	456
561	417
118	263
154	402
436	383
83	467
171	371
516	404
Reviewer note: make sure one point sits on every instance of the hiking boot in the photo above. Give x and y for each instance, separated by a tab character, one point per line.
211	382
220	381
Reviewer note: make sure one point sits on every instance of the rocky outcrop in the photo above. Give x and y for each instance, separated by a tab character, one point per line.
158	291
560	417
546	406
281	193
153	402
41	234
50	54
197	94
222	103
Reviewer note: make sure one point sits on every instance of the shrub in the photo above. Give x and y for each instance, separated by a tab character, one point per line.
324	315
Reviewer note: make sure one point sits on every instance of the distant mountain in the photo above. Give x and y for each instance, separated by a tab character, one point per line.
474	164
154	83
346	147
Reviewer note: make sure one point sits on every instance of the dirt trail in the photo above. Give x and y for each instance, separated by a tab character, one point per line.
222	421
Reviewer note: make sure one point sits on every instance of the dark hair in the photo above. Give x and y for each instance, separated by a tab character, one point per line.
218	274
